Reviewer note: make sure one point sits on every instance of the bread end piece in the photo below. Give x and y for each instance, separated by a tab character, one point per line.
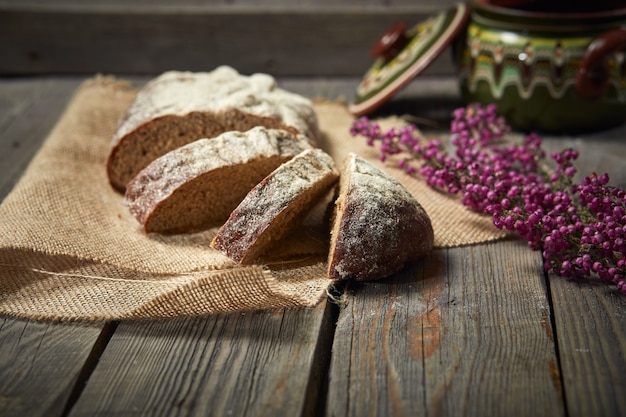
378	228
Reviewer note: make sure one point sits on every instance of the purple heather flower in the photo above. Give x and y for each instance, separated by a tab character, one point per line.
580	228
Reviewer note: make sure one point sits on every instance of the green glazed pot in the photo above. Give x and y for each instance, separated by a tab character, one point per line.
546	70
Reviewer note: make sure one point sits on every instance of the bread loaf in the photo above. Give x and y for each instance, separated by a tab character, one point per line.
197	186
378	228
276	206
179	107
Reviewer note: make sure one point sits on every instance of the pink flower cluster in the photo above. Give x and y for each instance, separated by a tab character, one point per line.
581	228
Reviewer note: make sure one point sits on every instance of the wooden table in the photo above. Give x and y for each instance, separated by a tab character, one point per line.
471	331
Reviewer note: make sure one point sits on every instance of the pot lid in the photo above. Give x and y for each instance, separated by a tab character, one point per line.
402	54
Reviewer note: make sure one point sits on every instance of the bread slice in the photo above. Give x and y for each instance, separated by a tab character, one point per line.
179	107
196	186
276	206
378	228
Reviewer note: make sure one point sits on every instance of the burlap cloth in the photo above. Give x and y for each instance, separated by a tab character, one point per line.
69	249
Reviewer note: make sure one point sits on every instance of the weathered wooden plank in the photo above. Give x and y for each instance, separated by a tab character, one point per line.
28	110
253	364
589	316
41	363
283	40
591	335
466	333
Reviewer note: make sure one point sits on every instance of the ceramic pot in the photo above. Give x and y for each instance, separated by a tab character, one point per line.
547	70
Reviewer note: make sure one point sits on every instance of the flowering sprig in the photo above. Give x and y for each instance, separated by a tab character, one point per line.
580	228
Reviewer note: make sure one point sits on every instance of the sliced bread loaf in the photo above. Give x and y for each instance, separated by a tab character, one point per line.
197	186
378	228
179	107
276	206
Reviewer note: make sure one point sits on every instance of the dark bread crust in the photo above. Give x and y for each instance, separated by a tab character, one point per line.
378	227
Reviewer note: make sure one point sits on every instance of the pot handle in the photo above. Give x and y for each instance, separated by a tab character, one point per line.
391	43
593	74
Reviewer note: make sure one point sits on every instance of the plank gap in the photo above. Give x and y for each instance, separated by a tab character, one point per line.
555	338
90	364
317	393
